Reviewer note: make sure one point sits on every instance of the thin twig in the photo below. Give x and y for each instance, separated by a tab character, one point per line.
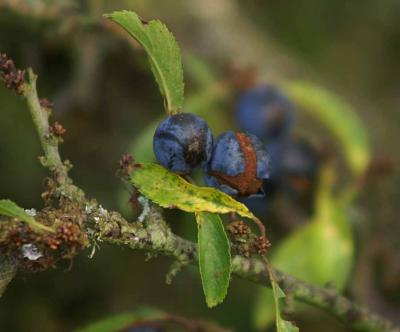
40	117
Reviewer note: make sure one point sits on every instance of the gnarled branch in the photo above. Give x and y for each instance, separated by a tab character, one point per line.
154	235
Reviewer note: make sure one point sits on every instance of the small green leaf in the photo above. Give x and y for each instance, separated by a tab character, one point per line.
214	257
278	294
123	321
10	209
336	115
163	52
169	190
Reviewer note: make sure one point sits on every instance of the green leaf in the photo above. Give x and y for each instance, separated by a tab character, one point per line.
163	53
336	115
169	190
278	294
123	321
214	257
321	251
10	209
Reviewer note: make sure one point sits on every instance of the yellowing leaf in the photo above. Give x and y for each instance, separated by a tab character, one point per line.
214	257
169	190
163	52
10	209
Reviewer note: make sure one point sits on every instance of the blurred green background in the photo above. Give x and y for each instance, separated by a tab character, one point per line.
105	95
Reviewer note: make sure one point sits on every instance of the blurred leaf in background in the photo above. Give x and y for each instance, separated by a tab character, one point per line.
338	117
320	252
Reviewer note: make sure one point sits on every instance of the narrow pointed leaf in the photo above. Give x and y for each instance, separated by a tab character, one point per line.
214	257
169	190
163	53
278	294
10	209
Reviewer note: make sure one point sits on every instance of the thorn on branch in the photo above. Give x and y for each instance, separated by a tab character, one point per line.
12	77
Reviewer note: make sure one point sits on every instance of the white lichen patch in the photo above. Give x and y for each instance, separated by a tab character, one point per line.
31	212
102	211
88	209
31	252
146	208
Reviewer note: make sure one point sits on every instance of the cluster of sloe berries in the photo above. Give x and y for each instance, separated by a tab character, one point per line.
259	161
265	112
236	163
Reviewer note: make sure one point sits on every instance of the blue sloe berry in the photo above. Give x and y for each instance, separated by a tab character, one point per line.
295	166
293	157
265	112
183	142
238	165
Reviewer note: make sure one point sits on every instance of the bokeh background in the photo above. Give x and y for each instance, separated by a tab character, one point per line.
105	96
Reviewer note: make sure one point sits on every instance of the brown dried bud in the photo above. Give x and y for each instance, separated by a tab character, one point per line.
57	129
12	77
261	245
238	228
